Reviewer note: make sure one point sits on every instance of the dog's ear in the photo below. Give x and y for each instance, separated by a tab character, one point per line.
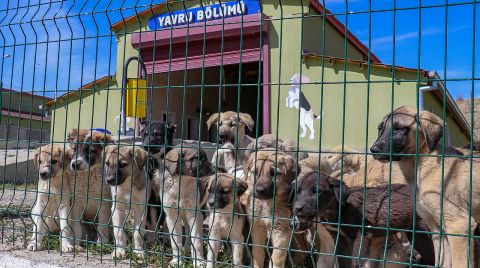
101	139
139	156
213	119
37	155
67	156
247	120
72	135
335	185
432	128
287	165
241	187
172	160
292	191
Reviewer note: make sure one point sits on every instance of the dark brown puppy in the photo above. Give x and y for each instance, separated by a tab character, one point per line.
325	197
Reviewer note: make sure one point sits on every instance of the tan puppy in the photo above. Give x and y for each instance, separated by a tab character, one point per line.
353	169
455	175
92	200
223	200
270	187
231	130
125	173
182	191
53	197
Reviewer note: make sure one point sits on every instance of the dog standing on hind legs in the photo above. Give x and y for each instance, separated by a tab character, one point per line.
51	209
296	99
91	202
404	123
182	190
125	173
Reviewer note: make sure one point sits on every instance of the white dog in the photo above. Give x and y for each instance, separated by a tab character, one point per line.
296	99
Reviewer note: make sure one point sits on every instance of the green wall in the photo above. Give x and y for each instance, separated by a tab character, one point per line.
95	110
350	124
457	136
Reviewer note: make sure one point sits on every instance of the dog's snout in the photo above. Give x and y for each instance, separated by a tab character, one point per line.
111	180
211	203
264	191
297	210
44	174
75	165
375	149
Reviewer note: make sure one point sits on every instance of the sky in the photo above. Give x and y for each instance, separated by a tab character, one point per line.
58	45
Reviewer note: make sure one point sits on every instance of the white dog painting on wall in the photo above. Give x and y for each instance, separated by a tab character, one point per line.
296	99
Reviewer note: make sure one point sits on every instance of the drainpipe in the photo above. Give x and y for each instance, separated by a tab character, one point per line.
424	90
143	75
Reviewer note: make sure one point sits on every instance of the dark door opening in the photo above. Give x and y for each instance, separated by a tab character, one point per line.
220	86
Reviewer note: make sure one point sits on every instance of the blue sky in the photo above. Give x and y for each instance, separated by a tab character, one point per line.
77	46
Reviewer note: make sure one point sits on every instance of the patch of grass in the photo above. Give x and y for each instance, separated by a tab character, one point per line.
51	242
18	187
14	212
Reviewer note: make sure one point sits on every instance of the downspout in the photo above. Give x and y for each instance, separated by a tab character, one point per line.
424	90
143	74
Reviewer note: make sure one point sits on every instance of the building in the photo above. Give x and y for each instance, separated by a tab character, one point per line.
251	58
23	119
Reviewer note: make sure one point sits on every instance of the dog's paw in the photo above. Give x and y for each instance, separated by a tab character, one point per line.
176	262
33	246
119	253
67	248
199	263
139	253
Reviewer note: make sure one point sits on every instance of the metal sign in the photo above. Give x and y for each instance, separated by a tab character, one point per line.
205	13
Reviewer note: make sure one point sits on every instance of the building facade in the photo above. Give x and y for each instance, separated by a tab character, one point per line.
292	66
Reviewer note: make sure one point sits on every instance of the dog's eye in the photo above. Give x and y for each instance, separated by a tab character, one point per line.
273	172
54	161
123	165
380	126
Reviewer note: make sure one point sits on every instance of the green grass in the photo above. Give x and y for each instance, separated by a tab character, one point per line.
18	187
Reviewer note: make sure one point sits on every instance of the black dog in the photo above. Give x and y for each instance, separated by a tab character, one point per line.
325	197
154	135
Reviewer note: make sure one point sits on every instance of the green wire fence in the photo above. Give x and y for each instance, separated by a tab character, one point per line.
239	133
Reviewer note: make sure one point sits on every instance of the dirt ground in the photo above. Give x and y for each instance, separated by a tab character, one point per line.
15	230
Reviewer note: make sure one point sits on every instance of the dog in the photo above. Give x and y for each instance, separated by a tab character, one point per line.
92	200
319	195
351	168
296	99
269	186
181	187
50	212
157	140
156	136
125	172
231	130
227	153
227	219
449	177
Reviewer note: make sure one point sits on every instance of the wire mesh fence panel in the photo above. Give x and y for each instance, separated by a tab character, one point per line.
242	133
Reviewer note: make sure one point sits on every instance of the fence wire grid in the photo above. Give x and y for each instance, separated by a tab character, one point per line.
242	133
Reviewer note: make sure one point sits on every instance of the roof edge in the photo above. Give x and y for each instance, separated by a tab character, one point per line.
344	31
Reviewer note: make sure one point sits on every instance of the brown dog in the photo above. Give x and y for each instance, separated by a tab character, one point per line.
227	217
91	202
126	174
52	207
182	191
436	177
269	177
231	130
